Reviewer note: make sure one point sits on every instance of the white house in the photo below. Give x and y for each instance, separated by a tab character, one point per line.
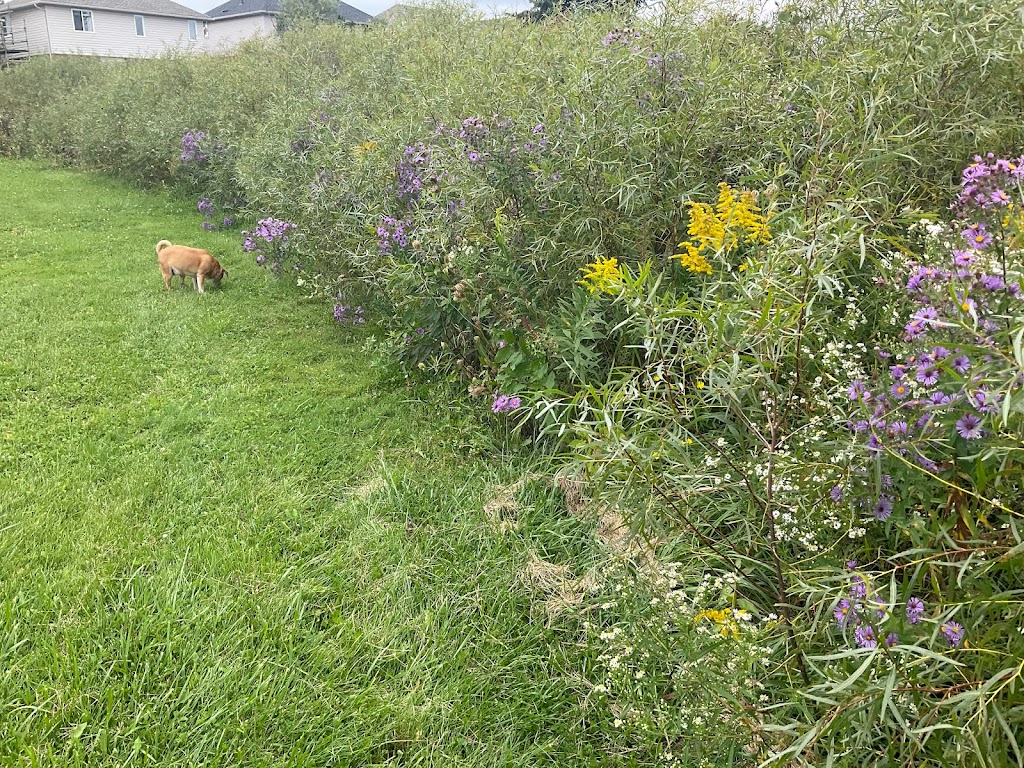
132	28
237	20
117	28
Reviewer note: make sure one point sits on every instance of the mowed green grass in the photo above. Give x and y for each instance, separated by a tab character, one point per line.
225	542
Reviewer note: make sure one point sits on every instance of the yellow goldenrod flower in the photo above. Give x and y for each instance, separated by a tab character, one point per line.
692	260
602	276
723	619
721	228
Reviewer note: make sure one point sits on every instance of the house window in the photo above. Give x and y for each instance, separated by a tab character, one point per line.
140	26
206	29
83	20
3	26
193	30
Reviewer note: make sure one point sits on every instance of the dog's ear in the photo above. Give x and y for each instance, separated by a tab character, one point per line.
224	272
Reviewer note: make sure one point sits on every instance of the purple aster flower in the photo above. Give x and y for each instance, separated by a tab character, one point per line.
913	331
898	429
874	445
992	282
883	508
969	427
474	156
915	609
899	390
855	390
206	206
962	258
977	237
207	226
961	364
858	587
928	375
953	633
891	639
844	610
864	635
228	221
836	493
504	403
985	403
897	372
999	197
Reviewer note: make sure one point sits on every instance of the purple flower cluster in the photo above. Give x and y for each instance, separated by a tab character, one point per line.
413	171
915	609
475	129
343	317
191	147
206	207
392	234
953	632
866	619
505	403
985	182
935	391
269	239
620	37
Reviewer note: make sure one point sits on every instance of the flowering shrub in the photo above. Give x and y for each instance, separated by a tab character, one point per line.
867	493
269	241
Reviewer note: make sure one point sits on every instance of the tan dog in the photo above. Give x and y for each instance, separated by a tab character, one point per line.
188	262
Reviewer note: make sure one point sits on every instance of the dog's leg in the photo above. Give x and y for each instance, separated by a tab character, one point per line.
167	277
199	282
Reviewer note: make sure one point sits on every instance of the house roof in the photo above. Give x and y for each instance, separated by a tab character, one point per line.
149	7
346	12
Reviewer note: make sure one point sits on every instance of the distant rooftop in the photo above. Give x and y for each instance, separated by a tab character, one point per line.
242	7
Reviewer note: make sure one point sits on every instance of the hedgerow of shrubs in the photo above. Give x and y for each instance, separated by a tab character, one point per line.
713	259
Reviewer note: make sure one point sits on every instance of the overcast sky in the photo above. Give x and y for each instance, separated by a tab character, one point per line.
373	7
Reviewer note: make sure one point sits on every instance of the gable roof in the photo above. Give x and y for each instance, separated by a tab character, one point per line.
346	12
240	7
149	7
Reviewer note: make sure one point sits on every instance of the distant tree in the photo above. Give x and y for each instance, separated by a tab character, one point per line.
295	12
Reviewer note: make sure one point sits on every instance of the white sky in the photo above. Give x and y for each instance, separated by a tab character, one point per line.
373	7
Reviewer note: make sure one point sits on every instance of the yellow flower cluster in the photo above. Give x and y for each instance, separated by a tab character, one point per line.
721	228
725	619
366	146
692	259
602	276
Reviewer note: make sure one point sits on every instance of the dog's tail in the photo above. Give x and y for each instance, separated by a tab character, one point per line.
163	244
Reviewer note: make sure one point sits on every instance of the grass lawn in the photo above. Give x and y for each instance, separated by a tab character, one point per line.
225	541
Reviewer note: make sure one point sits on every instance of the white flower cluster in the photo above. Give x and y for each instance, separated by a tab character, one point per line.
672	640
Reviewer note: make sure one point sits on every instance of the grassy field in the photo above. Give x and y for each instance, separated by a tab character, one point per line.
224	541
